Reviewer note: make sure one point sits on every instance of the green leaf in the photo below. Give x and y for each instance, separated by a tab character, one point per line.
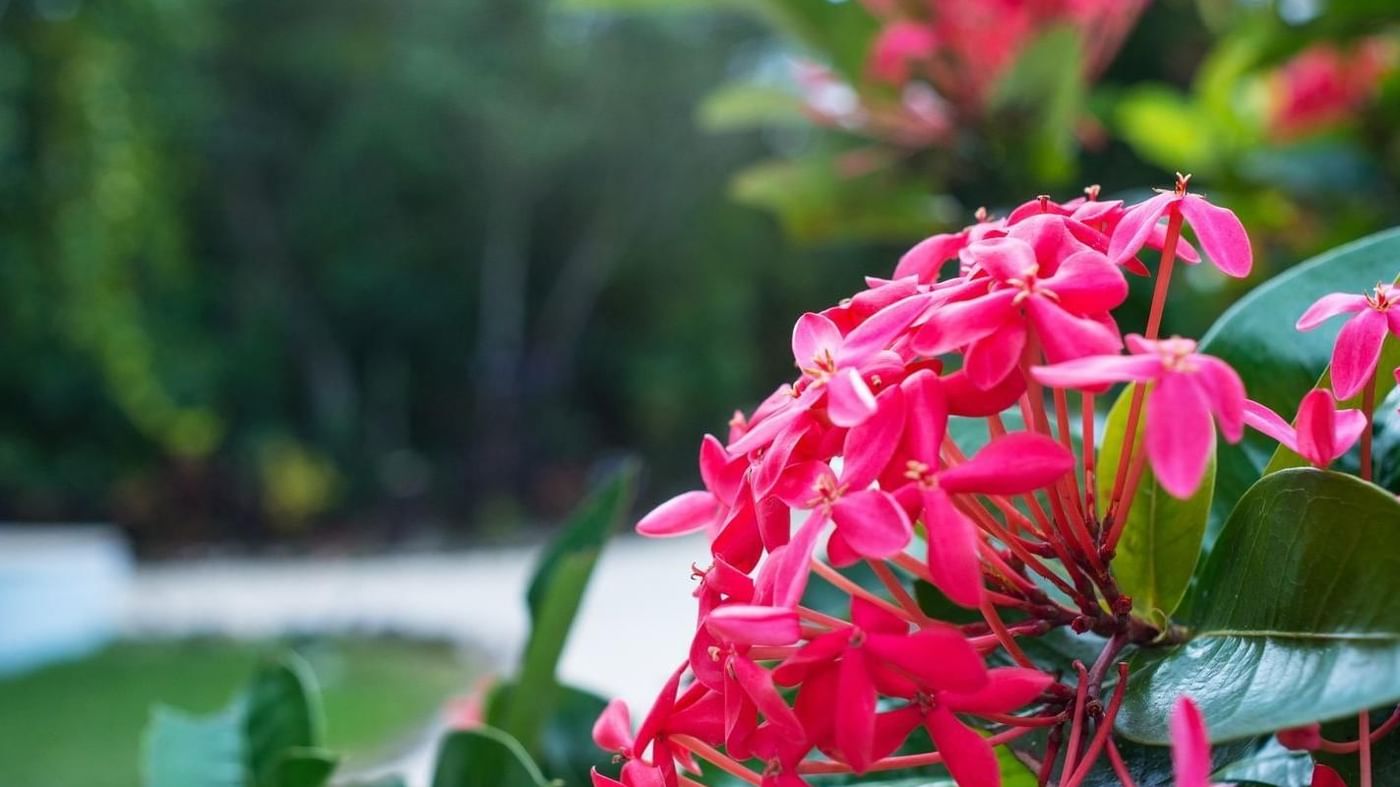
282	713
1162	538
1047	83
838	33
1295	615
743	106
1272	764
1165	128
484	757
554	596
302	767
1278	364
183	750
566	750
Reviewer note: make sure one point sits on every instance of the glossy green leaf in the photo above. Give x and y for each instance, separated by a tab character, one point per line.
1295	615
282	713
1162	538
484	757
554	596
1150	766
1278	364
184	750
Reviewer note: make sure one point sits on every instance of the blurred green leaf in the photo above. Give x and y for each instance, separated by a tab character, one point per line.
742	106
1047	84
484	757
1162	538
837	32
554	596
566	750
183	750
282	715
1168	130
302	767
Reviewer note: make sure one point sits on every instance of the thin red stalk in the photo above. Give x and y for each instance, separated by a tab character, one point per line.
1009	511
1119	767
897	589
1104	731
905	760
989	553
1070	482
716	757
1023	721
1351	747
1075	527
1363	735
1087	445
1014	544
989	613
841	582
684	782
806	613
986	643
912	565
1076	725
771	652
1120	517
1368	407
1052	752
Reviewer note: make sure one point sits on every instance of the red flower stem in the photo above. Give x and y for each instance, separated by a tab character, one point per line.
1368	408
1119	520
904	760
989	553
812	632
984	519
1363	736
684	782
1120	768
1023	721
1009	511
1088	447
824	619
717	758
1104	731
912	565
897	589
1351	747
989	613
1075	527
843	583
1069	482
1052	752
1076	725
1164	274
986	643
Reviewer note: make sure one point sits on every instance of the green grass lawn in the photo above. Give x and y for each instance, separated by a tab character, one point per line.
79	724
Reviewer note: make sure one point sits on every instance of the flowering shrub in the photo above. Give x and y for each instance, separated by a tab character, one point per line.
934	550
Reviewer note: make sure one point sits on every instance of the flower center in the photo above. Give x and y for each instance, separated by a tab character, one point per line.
1176	354
822	367
1028	284
828	491
921	474
1383	297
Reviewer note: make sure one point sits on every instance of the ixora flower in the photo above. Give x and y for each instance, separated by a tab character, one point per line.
1321	432
1188	388
830	483
1219	230
1357	352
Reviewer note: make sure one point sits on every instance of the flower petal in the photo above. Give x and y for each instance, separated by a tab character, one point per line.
1007	689
880	329
1323	776
1225	390
682	514
1010	464
722	473
1180	436
613	729
855	721
1087	282
1329	306
872	523
1221	235
928	256
849	400
967	755
927	420
749	624
1268	422
1190	747
1065	336
993	358
1316	426
1357	352
1099	371
870	444
958	324
953	561
1003	258
938	656
814	339
758	684
968	400
1135	227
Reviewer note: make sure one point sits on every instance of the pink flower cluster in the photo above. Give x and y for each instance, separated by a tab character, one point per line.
853	462
1327	84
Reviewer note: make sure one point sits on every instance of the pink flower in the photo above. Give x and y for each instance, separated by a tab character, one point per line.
869	523
1323	776
1190	747
1324	85
1305	738
1357	352
1321	433
697	713
1188	388
896	46
1067	308
1219	230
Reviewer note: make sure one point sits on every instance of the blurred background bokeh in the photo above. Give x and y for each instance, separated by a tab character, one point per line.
339	286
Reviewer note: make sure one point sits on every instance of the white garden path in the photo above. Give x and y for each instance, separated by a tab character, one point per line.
633	629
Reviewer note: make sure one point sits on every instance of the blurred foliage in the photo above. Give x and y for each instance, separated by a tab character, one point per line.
305	270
